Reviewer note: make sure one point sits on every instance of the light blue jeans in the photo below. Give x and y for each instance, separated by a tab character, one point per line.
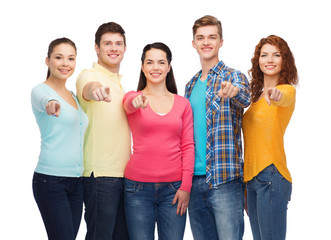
217	213
268	195
150	203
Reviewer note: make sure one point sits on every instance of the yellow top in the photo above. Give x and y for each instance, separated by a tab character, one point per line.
107	143
264	128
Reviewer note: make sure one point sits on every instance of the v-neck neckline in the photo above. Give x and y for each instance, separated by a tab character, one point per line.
77	109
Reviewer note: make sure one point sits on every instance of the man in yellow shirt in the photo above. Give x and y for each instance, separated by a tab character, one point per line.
107	139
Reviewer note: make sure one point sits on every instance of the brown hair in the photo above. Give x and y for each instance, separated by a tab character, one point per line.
170	79
53	44
207	20
288	74
110	27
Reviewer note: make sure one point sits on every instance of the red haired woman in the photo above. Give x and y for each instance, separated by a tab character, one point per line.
269	182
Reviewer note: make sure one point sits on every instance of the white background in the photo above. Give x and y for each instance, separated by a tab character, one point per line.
27	27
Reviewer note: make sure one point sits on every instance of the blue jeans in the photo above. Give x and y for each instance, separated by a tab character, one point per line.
267	197
104	208
60	202
217	213
147	203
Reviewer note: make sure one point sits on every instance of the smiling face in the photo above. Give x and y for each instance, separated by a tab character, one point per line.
207	42
270	61
62	61
155	66
111	51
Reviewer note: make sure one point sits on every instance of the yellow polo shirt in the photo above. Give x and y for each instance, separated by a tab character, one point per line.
264	128
107	143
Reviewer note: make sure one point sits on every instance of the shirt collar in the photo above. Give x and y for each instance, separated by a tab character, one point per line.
104	70
218	67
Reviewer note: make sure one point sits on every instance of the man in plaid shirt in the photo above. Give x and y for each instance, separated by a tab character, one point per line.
218	95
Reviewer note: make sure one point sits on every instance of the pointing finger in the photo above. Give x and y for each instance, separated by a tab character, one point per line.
266	96
107	96
57	108
144	101
53	108
225	88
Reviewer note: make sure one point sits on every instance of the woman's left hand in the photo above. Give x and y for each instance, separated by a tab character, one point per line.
183	198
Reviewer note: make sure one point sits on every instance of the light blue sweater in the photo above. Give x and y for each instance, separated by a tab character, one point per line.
62	137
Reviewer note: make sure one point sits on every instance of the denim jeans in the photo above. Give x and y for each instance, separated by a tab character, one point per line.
268	195
60	202
147	203
104	208
217	213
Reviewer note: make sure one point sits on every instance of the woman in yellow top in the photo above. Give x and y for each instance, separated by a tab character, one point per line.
269	182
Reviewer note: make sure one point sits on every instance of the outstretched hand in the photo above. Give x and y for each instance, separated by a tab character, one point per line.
141	101
53	108
101	94
272	94
228	90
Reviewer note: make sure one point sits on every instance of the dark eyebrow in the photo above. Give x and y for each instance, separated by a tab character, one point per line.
60	54
159	60
211	35
109	41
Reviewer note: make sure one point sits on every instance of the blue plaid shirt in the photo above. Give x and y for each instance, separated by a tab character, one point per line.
223	117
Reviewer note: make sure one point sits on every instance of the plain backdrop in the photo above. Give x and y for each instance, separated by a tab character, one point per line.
27	27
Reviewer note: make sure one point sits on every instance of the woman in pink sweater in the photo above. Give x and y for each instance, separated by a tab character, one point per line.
158	176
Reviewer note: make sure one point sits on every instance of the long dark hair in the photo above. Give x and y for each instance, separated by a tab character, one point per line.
288	73
170	79
53	44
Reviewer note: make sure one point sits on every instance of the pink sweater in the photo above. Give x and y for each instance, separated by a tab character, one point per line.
163	146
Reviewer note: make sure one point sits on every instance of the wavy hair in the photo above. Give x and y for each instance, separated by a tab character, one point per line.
288	73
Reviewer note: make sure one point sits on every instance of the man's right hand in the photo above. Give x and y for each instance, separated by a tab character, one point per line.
101	94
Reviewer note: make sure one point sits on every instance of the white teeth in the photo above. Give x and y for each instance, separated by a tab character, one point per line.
270	67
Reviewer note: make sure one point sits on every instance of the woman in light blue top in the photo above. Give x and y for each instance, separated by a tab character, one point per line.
57	185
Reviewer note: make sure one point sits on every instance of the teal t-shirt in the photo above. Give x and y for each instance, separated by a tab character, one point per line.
62	137
198	103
